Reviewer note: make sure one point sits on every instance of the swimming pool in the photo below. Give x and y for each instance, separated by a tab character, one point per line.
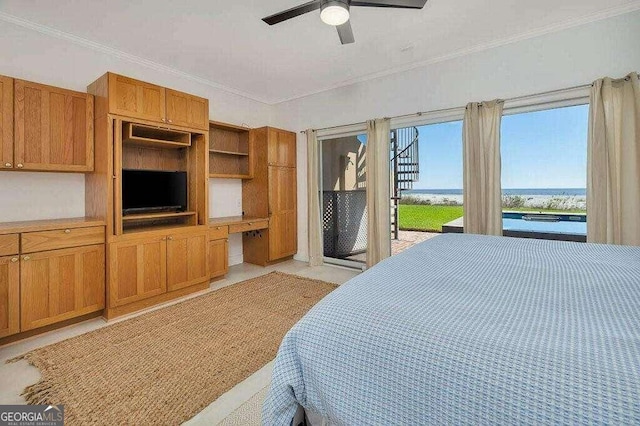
567	227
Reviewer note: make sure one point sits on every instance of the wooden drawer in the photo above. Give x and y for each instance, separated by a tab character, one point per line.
9	244
62	238
218	232
248	226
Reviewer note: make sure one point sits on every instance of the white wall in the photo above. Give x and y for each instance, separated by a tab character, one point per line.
559	60
31	55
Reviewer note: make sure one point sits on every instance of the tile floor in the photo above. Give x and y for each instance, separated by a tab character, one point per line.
14	377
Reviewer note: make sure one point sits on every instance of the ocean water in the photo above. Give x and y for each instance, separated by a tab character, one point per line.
574	192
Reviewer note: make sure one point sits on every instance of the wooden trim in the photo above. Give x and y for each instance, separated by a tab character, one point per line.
48	328
156	216
6	133
157	124
111	313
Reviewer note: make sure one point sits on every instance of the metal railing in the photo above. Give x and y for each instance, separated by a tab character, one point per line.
405	168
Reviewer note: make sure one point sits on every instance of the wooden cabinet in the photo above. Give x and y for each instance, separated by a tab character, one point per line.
186	259
9	295
272	191
135	98
61	284
186	110
53	128
145	267
138	270
6	122
282	148
218	258
282	205
138	99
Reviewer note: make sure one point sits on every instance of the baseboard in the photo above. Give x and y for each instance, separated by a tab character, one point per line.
112	313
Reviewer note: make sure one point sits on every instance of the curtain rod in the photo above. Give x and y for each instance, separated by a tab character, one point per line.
445	110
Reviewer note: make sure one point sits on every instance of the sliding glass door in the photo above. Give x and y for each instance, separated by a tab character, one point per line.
344	199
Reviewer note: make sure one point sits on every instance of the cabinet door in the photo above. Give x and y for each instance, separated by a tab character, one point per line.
282	148
9	295
138	270
187	110
53	128
61	284
187	262
218	258
6	122
283	219
135	98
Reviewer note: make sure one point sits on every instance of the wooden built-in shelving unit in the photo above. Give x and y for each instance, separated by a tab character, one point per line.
141	146
230	151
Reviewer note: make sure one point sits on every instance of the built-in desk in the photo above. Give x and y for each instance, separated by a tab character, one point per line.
219	230
238	224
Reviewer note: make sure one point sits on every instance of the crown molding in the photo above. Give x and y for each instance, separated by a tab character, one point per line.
81	41
575	22
571	23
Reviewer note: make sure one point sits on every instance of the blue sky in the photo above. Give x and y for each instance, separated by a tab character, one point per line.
545	149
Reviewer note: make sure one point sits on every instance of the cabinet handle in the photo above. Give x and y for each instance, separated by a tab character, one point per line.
250	223
170	238
20	165
8	165
170	121
14	259
164	120
164	238
26	258
67	231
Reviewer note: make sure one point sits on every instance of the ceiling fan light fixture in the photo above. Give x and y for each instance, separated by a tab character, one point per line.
334	12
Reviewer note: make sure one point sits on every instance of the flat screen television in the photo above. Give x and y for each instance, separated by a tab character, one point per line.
147	191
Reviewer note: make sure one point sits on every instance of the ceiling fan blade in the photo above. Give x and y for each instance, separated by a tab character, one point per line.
402	4
293	12
346	33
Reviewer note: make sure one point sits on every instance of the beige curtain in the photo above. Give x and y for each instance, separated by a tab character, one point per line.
313	199
482	190
613	162
378	190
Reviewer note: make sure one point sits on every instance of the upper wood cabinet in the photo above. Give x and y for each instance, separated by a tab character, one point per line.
9	295
53	128
282	148
186	110
6	122
137	99
61	284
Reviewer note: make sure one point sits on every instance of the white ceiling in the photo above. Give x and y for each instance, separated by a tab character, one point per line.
225	41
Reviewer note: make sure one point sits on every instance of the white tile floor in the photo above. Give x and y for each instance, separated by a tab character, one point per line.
14	377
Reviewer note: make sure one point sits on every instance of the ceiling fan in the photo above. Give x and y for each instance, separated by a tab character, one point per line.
336	12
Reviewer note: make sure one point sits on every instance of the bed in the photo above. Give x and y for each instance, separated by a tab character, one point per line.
469	329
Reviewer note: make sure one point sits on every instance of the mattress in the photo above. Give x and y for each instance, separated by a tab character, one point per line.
469	329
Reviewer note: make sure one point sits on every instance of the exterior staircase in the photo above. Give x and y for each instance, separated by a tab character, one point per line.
405	168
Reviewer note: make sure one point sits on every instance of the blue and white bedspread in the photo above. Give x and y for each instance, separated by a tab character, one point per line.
465	329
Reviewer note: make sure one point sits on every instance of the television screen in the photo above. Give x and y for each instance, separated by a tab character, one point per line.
150	190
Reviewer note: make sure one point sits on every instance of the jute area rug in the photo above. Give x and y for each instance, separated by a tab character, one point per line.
166	366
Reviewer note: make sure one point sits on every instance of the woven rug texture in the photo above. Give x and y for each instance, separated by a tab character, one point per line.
165	366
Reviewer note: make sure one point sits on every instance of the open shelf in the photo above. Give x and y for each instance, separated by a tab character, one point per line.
229	151
149	136
155	216
219	151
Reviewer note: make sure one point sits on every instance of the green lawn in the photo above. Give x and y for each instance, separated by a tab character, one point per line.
431	218
427	218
